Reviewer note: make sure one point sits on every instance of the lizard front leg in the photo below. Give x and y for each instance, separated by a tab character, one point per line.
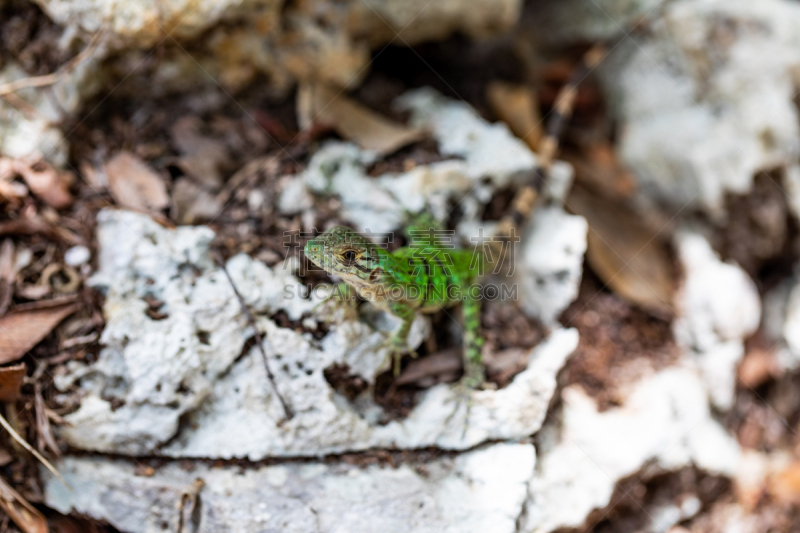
473	343
339	304
398	342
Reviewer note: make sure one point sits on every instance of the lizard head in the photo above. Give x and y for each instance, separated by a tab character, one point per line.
347	254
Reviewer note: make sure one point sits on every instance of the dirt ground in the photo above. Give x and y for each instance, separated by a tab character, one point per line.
612	331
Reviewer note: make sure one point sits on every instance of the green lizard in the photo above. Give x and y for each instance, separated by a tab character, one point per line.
429	277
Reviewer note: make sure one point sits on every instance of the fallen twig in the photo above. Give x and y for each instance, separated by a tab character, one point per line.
286	409
25	515
50	79
22	442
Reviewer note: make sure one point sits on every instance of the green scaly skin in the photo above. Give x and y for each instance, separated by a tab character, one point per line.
423	278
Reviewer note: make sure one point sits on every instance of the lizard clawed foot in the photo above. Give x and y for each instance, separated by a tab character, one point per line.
463	389
396	349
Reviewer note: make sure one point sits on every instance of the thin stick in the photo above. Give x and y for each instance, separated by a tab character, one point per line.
251	319
49	79
22	442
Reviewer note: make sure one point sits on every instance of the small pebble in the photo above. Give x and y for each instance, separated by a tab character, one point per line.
77	255
256	200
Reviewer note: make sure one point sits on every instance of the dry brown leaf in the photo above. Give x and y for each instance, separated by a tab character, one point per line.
597	167
758	366
625	254
25	515
444	362
9	189
135	185
68	524
11	380
503	365
201	156
22	330
371	131
47	182
516	105
193	203
784	486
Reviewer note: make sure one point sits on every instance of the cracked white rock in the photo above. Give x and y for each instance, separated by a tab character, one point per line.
143	23
482	490
189	364
663	422
159	369
239	419
718	307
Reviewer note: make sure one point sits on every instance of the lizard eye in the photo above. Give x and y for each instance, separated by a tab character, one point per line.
349	255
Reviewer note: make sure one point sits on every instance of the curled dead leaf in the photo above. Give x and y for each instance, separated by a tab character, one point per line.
133	184
22	330
319	104
758	366
784	485
201	156
193	203
432	367
47	182
9	189
502	366
631	258
597	167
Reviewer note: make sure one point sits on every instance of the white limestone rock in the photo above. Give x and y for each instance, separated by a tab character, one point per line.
718	307
189	364
550	262
704	96
729	92
482	490
664	422
157	370
239	419
143	23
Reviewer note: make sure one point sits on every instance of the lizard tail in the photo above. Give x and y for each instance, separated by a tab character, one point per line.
524	200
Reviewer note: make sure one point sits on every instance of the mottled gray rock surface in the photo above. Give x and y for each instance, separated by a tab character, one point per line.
479	491
704	96
664	421
189	365
718	308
